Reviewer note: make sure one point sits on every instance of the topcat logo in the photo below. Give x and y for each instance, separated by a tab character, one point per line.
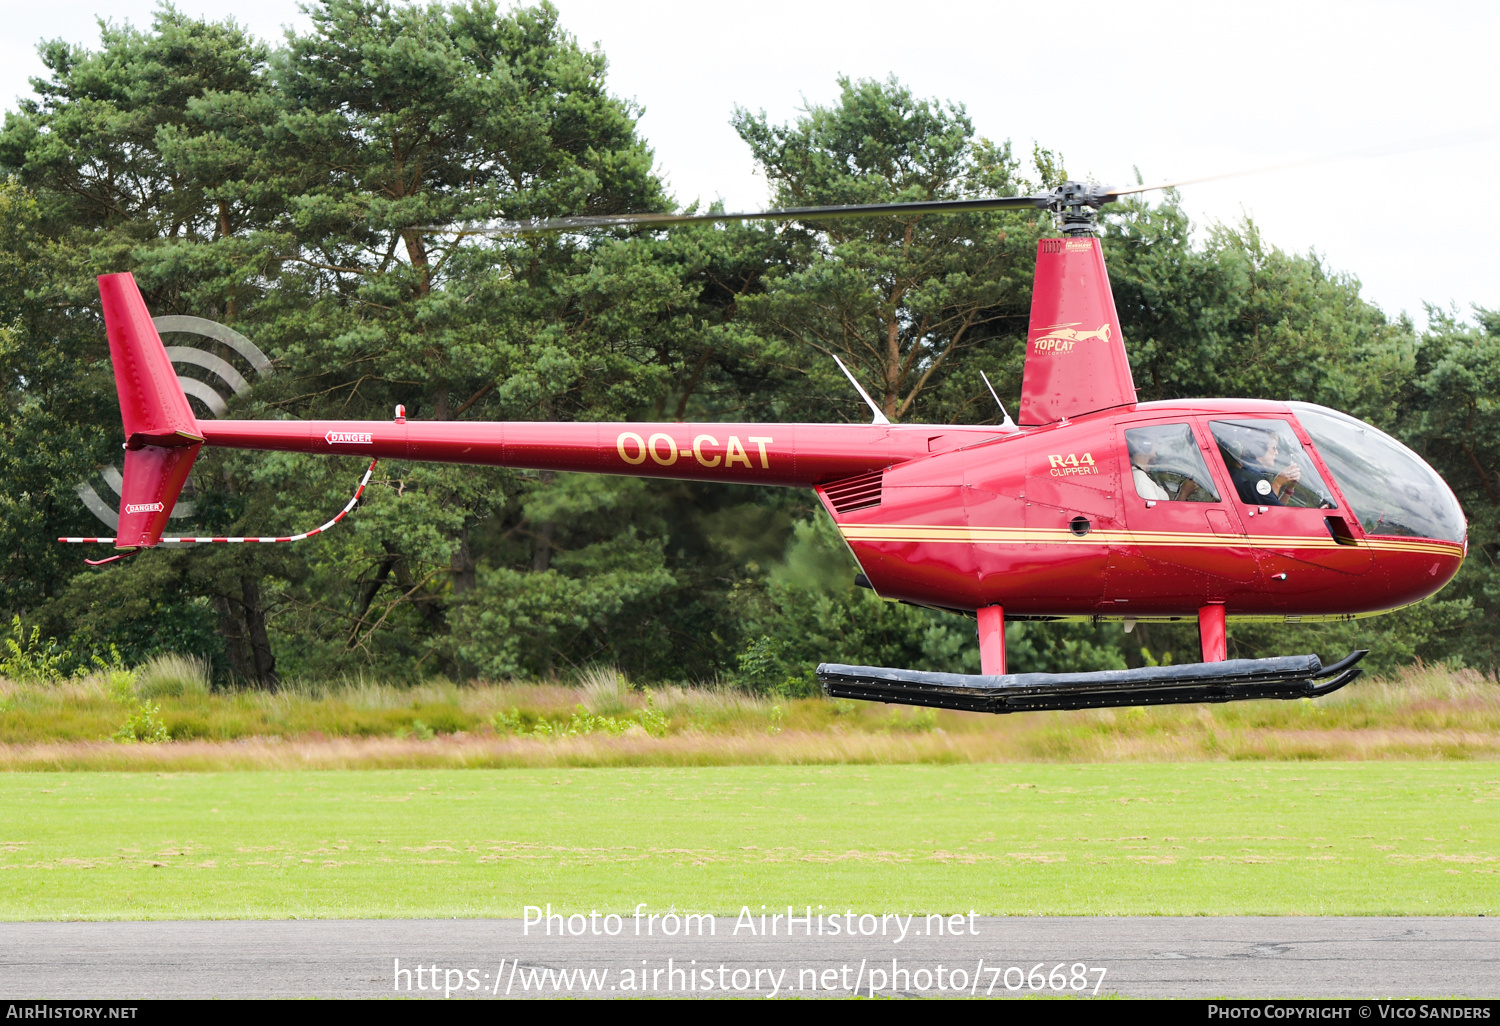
348	437
144	507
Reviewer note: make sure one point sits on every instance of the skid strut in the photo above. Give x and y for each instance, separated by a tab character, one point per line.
1228	681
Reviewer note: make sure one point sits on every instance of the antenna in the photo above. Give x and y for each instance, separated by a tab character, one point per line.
1007	424
880	418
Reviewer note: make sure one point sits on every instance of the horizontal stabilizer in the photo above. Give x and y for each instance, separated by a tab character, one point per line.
1228	681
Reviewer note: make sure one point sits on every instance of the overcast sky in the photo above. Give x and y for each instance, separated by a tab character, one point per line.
1175	89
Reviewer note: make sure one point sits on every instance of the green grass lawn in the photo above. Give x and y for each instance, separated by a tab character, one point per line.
1403	838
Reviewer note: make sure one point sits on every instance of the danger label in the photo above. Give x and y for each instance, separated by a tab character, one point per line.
144	507
348	438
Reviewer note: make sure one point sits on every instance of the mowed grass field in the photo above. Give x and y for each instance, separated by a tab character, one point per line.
1194	838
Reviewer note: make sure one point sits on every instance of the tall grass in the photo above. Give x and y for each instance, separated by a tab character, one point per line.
172	676
601	719
606	692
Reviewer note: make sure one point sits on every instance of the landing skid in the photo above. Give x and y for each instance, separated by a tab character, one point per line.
1229	681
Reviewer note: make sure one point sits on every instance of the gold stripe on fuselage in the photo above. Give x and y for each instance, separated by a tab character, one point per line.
1149	539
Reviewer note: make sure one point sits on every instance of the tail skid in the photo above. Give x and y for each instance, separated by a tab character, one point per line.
358	492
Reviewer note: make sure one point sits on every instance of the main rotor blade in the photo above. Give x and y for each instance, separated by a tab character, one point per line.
562	224
1071	195
1266	169
1377	150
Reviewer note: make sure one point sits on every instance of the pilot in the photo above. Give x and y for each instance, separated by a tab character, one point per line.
1257	479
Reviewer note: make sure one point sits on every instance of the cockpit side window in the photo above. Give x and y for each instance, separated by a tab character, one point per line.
1268	465
1167	466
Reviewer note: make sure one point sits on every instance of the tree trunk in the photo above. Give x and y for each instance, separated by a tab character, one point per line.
541	541
242	622
462	564
416	251
232	629
368	596
687	390
541	547
231	308
255	630
427	605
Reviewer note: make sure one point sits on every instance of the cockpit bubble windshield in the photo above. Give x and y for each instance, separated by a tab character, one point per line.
1390	489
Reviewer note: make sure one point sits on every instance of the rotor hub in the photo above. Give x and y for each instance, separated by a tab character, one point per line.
1075	205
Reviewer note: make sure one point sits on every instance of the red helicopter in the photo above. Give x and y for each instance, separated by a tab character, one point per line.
1094	507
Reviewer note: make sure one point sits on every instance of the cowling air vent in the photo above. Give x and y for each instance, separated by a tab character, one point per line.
854	493
1052	245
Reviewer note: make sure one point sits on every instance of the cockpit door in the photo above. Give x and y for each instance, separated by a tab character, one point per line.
1294	518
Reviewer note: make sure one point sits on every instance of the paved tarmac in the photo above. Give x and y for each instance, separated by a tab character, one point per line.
1141	957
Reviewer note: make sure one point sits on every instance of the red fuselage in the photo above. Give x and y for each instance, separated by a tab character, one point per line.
1044	521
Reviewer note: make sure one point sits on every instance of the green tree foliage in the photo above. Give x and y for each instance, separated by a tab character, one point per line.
111	152
1448	413
281	192
306	195
390	118
812	612
898	299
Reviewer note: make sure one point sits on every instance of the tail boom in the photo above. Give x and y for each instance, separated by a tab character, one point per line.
793	455
162	437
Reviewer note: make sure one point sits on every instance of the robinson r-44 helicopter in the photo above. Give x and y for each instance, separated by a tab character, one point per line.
1093	507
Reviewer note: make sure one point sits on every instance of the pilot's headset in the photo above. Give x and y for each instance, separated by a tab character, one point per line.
1245	444
1142	445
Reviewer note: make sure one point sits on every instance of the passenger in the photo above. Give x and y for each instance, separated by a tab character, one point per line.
1152	446
1142	456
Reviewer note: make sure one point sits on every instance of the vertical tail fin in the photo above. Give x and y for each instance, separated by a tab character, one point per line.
161	434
